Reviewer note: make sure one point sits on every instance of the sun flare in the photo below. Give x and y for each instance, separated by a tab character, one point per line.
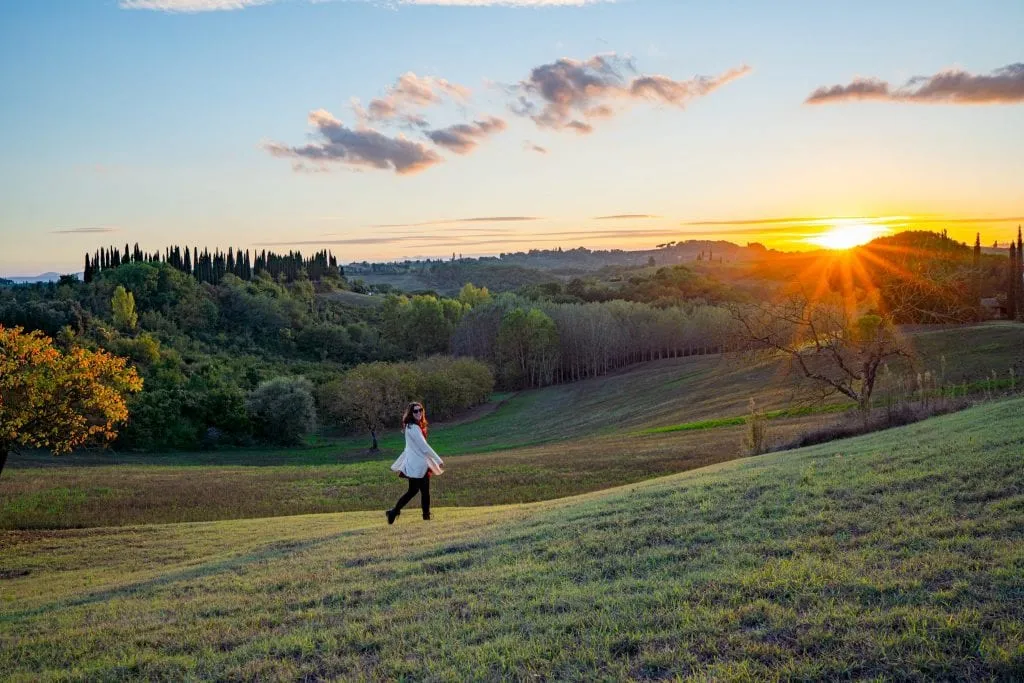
848	235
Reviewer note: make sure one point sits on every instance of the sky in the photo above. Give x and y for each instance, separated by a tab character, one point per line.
397	129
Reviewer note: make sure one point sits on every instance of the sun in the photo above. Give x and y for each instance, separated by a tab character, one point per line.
848	235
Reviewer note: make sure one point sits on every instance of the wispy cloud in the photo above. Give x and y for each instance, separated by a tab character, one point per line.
571	95
192	6
464	137
623	216
1002	219
789	220
82	231
409	94
534	147
451	221
358	148
424	241
832	220
952	86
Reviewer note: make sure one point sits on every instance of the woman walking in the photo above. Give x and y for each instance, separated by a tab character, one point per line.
417	462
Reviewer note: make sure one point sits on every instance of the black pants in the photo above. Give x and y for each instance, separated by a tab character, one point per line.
422	486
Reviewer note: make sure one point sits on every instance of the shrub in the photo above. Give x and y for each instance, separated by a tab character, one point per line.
372	396
448	386
755	442
856	423
282	410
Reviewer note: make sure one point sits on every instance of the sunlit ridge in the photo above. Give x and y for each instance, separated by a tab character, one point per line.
846	235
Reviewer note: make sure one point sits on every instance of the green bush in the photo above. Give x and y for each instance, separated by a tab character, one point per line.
372	396
282	410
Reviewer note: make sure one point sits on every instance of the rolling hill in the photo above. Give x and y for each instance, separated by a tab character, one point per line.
649	420
896	555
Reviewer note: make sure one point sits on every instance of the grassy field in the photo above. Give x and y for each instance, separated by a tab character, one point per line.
650	420
897	556
354	299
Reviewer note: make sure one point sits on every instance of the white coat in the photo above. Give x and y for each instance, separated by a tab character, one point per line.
418	456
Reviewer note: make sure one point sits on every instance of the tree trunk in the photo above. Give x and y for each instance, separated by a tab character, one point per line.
4	448
373	433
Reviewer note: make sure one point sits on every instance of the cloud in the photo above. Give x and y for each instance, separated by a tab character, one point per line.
409	93
858	89
533	147
474	219
495	219
357	148
763	221
82	231
952	86
570	95
831	220
464	137
192	6
664	89
624	216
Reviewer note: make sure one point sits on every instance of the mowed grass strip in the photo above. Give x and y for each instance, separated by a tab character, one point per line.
897	555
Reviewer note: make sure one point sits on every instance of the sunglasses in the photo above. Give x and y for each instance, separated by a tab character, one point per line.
417	410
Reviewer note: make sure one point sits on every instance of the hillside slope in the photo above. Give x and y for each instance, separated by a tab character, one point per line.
537	445
895	555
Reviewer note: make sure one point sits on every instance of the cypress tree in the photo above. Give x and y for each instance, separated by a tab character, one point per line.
87	273
1011	285
1018	280
976	279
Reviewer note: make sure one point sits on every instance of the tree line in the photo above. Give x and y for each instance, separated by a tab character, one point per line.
537	343
212	267
203	344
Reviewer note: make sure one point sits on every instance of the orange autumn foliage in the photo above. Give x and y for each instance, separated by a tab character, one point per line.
59	401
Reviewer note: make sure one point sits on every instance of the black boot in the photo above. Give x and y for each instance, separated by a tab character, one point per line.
391	514
426	516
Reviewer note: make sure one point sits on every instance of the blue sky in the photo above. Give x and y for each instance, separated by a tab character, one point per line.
159	127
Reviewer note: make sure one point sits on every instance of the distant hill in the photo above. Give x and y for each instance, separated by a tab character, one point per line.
509	271
44	277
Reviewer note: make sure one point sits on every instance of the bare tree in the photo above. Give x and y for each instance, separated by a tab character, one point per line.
827	342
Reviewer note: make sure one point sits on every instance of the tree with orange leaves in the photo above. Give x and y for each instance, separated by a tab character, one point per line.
55	400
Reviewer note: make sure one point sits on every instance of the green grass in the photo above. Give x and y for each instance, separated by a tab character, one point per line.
742	419
132	494
893	556
650	420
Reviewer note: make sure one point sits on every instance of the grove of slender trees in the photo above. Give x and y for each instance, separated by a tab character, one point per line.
212	268
539	343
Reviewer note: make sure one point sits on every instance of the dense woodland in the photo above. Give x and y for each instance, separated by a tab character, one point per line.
218	336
